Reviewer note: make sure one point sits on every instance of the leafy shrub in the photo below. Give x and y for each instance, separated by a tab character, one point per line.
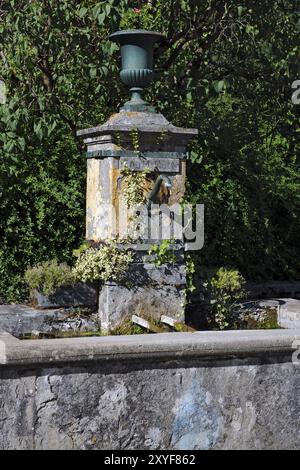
108	263
226	287
47	277
163	253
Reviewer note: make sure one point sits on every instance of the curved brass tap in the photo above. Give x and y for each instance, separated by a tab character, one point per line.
156	188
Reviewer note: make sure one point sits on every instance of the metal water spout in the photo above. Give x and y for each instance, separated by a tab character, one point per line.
161	179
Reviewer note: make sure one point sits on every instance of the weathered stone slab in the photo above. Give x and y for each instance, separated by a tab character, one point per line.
77	295
163	165
147	274
205	345
20	320
153	124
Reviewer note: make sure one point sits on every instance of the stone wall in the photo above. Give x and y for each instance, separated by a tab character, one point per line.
222	390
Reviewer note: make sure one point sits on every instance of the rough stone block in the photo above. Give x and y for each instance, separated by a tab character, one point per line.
289	313
20	320
118	303
78	295
145	274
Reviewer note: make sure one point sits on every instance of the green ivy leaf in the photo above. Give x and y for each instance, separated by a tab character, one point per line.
219	85
82	12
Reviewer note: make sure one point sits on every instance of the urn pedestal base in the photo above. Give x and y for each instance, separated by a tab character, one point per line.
158	291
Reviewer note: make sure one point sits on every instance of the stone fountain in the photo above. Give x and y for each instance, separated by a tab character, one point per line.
158	147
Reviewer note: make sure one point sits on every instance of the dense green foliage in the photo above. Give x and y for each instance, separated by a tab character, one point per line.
225	68
49	276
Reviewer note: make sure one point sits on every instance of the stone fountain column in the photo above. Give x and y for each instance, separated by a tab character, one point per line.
157	146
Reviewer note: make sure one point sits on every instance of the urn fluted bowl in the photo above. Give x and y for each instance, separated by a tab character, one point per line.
137	48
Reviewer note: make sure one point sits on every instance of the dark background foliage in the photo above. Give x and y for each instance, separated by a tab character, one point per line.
225	68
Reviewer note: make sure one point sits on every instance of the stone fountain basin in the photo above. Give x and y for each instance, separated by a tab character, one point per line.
235	389
21	320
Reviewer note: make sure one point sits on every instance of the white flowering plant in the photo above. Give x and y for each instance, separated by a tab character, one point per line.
107	263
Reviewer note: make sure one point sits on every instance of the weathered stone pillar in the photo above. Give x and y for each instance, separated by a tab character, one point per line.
140	139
